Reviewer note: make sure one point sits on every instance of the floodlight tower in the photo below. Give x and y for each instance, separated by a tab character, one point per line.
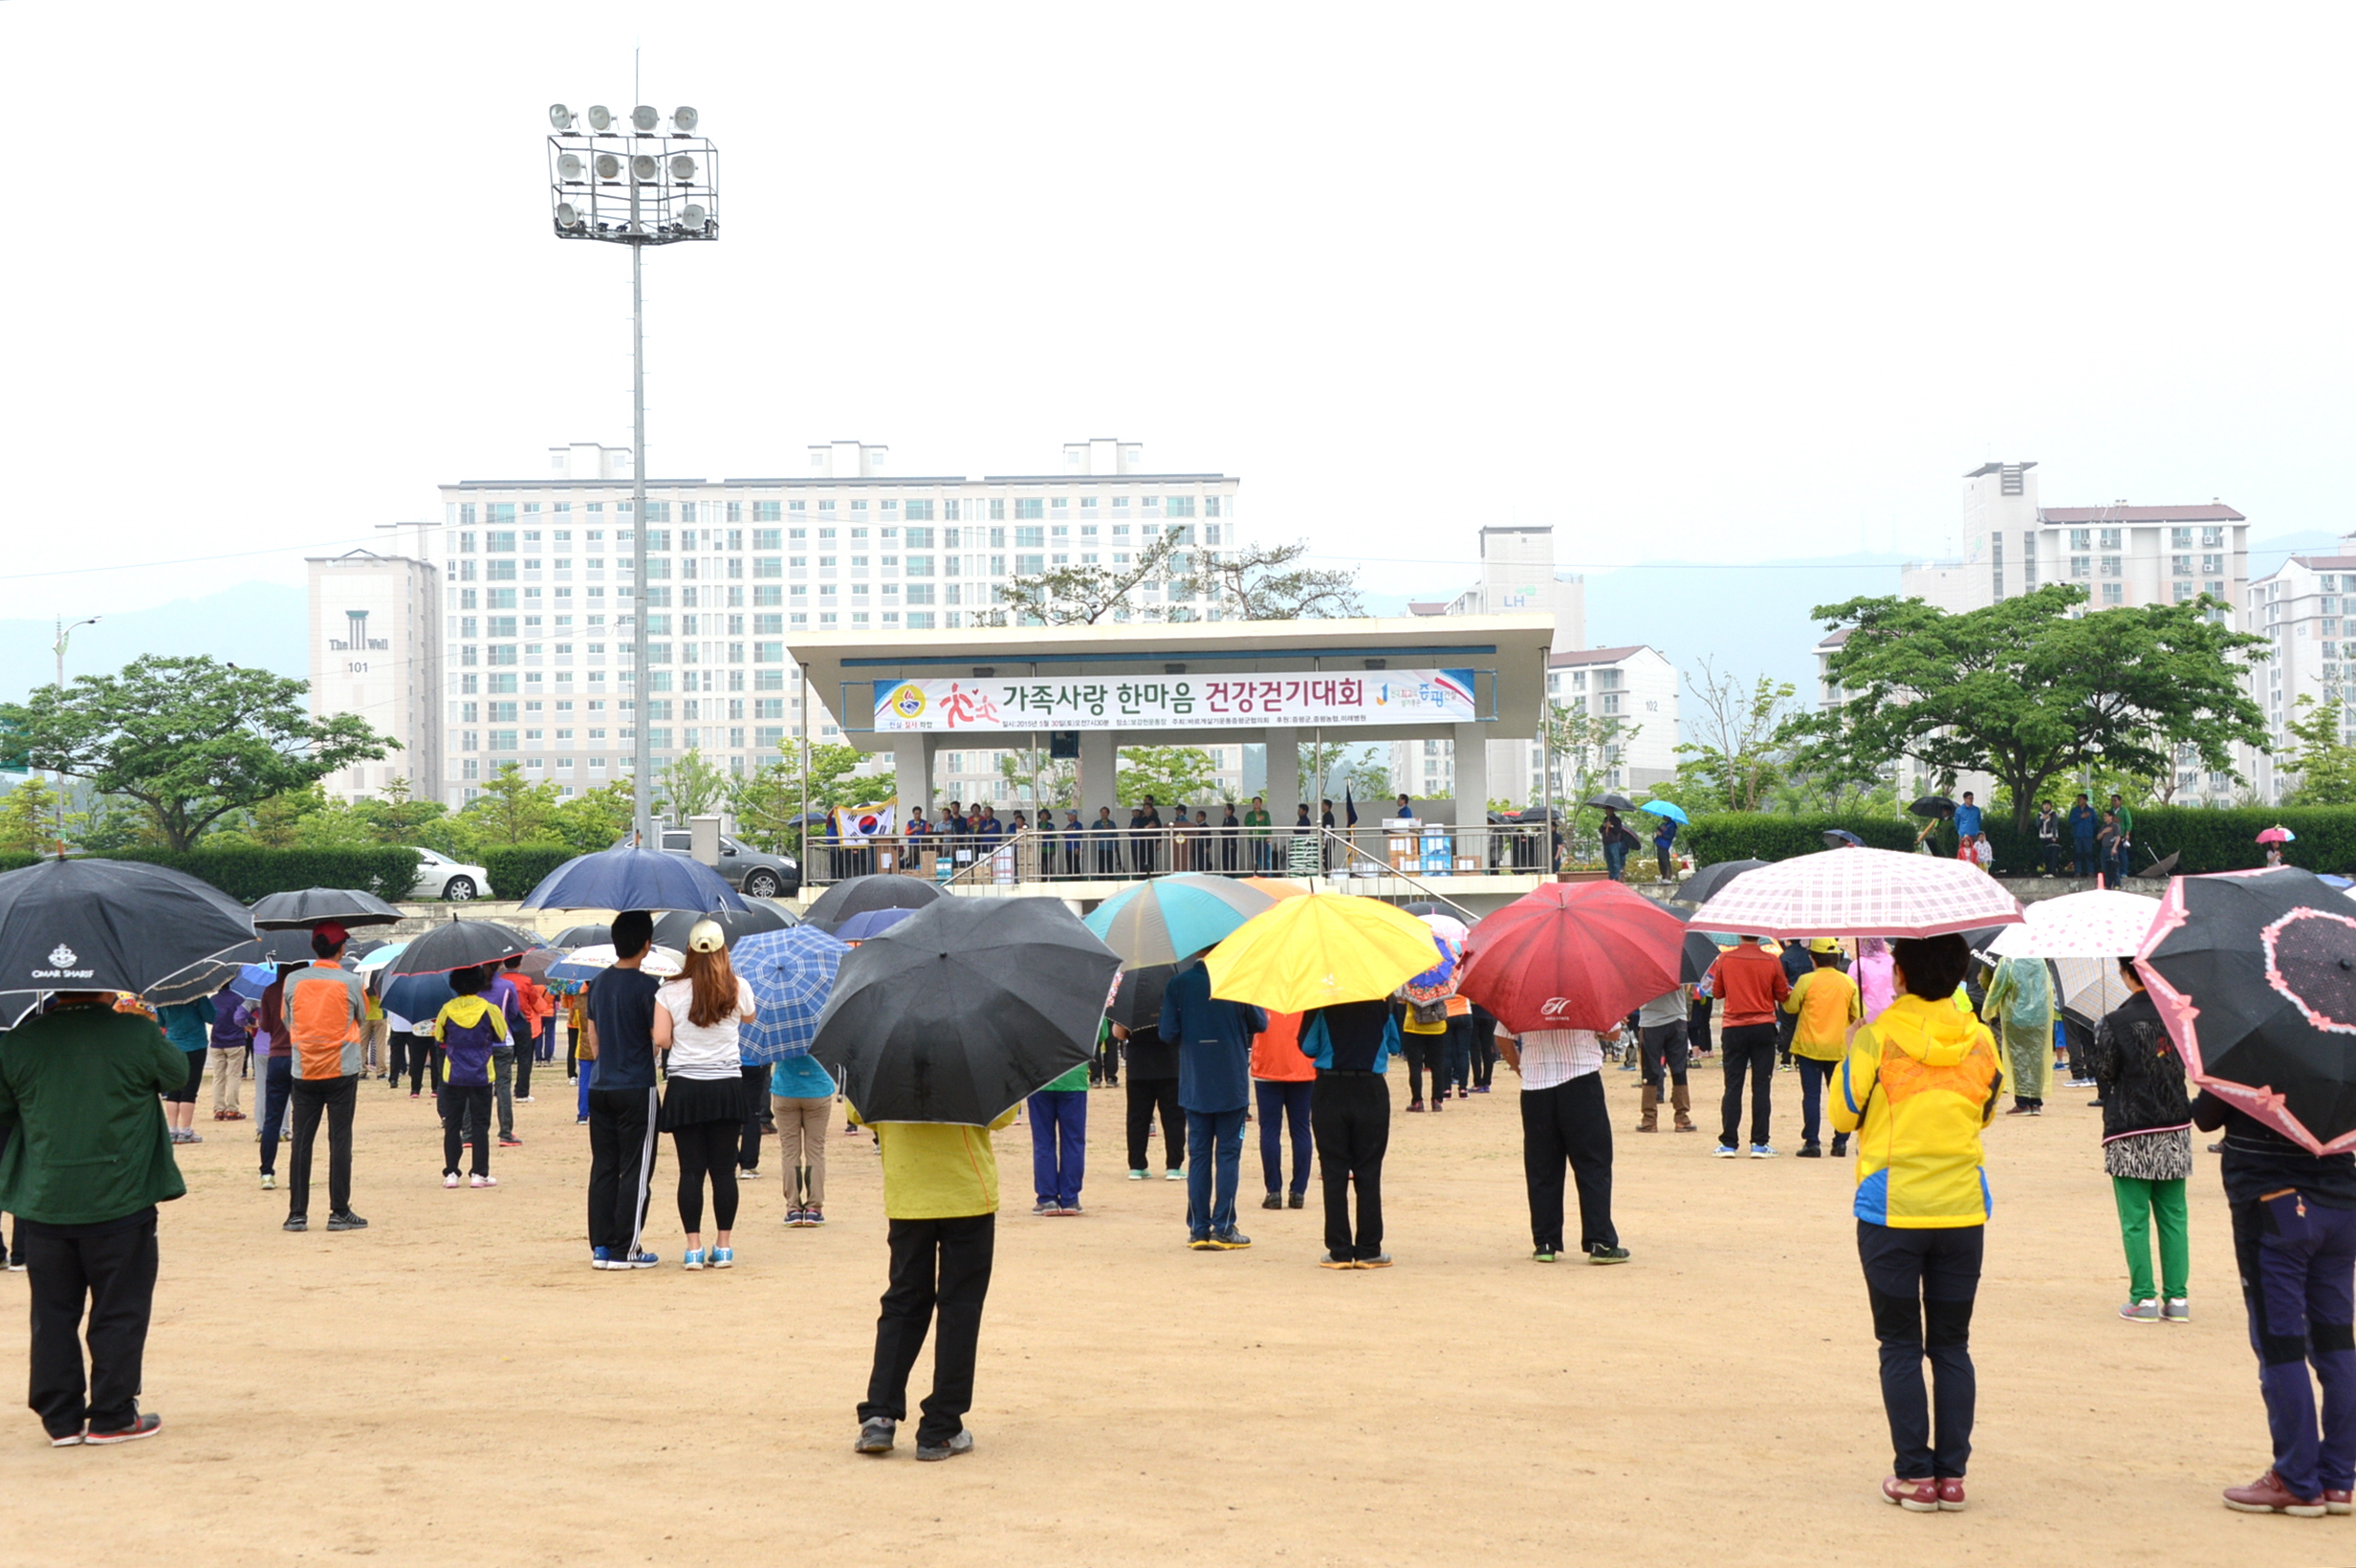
633	182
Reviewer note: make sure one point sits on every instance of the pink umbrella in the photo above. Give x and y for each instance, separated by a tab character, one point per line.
2276	836
1860	892
2099	924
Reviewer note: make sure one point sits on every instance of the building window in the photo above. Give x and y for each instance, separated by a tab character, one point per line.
2111	538
2114	593
2111	566
2082	567
765	511
1180	506
1028	506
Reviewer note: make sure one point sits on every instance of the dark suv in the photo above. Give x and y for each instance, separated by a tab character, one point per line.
750	871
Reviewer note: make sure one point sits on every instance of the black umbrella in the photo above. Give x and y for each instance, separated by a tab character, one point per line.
1534	813
2255	974
670	930
460	945
1710	880
964	1009
1700	952
110	925
856	895
582	936
2164	868
310	905
1615	801
1139	1003
1934	805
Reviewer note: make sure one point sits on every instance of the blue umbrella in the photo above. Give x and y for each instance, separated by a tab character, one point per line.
792	972
254	979
631	878
869	923
411	1001
1841	838
1664	808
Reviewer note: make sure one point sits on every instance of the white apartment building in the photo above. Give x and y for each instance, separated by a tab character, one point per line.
537	612
2296	609
1636	686
376	633
2120	553
1517	572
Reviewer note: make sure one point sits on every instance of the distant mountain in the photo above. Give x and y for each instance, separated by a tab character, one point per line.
257	624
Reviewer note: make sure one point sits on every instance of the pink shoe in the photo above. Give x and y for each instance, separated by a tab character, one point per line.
449	1179
1914	1497
1950	1494
2267	1494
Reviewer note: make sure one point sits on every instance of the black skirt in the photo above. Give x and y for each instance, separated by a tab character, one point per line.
688	1102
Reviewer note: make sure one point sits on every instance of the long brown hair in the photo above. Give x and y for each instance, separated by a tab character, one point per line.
714	980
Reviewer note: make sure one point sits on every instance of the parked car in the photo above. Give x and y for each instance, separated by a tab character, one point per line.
752	872
438	876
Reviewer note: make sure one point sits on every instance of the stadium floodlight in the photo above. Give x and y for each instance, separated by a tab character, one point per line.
570	169
600	118
645	116
682	119
644	169
691	216
609	166
568	216
560	117
682	167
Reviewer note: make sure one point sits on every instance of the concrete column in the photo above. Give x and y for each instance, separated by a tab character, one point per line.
1472	778
912	772
1099	763
1283	776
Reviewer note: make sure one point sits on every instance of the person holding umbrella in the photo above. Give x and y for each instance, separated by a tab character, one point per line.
696	1020
1918	1086
2146	1147
1563	1120
1214	1089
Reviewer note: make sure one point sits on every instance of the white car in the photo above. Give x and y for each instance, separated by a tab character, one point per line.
438	876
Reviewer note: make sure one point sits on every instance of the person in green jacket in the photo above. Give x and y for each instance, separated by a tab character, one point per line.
84	1159
1257	824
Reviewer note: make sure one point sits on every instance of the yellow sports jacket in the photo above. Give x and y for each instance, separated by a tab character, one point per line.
1918	1084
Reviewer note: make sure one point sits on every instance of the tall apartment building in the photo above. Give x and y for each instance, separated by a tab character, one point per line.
376	633
1636	686
537	614
2298	609
1517	572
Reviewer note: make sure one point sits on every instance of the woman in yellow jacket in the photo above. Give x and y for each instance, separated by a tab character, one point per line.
1917	1087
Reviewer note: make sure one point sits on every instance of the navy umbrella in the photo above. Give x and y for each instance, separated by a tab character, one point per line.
581	936
963	1009
627	877
856	895
411	1001
1705	884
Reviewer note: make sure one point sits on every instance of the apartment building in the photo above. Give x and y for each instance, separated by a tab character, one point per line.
375	639
1634	690
2298	609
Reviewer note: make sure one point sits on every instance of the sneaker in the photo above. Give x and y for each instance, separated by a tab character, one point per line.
1229	1240
482	1181
1810	1151
1544	1255
449	1178
2176	1310
1335	1260
17	1262
1380	1260
347	1221
1600	1253
1728	1151
508	1142
1176	1173
581	1122
2141	1312
793	1216
723	1257
2338	1502
67	1439
1415	1108
523	1099
295	1222
638	1260
1840	1145
2267	1494
814	1216
1762	1151
1914	1497
146	1426
1274	1200
962	1442
1070	1210
1137	1175
1044	1208
270	1183
694	1262
1199	1244
600	1258
875	1435
1951	1494
1297	1200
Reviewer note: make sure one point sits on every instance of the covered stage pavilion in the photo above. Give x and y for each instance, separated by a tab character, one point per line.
1282	683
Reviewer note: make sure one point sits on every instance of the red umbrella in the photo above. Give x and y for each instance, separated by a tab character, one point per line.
1572	955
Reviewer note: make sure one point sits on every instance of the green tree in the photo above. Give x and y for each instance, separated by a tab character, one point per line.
1166	773
512	810
688	786
28	816
1581	747
769	801
1079	596
190	740
395	817
595	820
1267	583
2324	760
1742	741
1045	781
2029	689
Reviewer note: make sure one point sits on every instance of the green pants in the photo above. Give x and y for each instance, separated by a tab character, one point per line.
2139	1203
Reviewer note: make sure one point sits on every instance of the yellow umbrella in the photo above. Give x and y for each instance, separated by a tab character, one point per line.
1318	949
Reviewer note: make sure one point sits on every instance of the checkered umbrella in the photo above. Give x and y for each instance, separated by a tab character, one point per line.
792	972
1860	892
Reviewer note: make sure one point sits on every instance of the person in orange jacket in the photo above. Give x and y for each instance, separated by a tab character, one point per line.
1281	1079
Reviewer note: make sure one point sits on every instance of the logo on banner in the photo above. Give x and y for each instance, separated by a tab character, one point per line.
908	702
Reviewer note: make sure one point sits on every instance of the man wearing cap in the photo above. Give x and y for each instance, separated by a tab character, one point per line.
326	1009
1824	1004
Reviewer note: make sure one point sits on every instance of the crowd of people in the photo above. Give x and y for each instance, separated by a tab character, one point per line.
1905	1047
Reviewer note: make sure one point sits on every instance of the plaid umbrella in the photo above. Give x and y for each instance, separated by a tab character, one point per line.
792	972
2088	987
2099	924
1860	892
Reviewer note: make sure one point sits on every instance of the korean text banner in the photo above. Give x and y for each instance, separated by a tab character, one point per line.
1178	702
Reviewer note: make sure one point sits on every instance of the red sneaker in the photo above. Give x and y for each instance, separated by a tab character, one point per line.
2339	1502
2267	1494
1950	1494
1914	1497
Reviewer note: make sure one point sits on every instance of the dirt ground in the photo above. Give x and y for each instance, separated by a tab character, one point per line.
454	1384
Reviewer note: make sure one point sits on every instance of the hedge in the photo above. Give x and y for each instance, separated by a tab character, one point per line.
246	874
516	869
2208	840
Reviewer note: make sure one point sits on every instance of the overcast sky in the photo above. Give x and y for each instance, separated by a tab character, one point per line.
1716	281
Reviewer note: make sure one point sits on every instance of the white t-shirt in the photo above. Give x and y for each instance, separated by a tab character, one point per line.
1551	1058
703	1051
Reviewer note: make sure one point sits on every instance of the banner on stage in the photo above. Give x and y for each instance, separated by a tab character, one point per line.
1188	702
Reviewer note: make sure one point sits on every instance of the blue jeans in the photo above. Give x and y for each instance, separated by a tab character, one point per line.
2298	1265
275	1082
2082	858
587	1072
1058	1145
1814	1074
1284	1103
1616	860
1214	1150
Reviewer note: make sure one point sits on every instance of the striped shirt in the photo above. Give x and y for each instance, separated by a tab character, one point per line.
1551	1058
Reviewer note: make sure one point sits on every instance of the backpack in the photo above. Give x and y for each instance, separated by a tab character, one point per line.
1429	1013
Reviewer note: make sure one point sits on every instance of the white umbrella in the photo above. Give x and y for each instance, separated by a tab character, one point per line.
1859	892
2101	922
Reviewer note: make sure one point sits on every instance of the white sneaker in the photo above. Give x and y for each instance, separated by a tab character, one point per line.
482	1181
449	1179
1178	1175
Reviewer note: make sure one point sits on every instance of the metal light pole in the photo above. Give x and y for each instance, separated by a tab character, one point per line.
663	188
57	807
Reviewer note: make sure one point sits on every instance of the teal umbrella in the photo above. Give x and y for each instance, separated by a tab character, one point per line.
1163	921
1666	808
